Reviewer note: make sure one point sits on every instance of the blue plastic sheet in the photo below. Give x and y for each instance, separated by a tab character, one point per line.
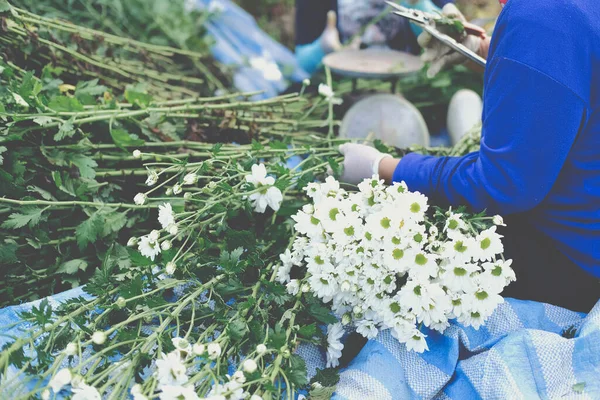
240	43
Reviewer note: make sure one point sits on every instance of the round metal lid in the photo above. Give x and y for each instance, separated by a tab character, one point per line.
373	63
390	118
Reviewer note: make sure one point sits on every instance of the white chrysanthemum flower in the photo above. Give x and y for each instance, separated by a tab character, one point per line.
60	380
483	302
85	392
497	276
424	266
190	179
249	366
166	217
148	246
140	199
214	350
489	244
335	333
461	248
474	319
455	226
170	369
152	178
458	277
99	338
417	342
293	287
136	392
367	328
176	392
307	224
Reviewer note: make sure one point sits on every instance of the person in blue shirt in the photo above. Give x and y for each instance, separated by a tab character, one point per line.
318	31
539	162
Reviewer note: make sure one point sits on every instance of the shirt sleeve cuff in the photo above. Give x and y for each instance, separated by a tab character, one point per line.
416	171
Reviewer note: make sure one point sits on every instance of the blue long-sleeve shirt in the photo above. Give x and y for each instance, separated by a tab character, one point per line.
540	147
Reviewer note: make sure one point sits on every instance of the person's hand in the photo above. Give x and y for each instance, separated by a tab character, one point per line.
330	39
440	55
360	162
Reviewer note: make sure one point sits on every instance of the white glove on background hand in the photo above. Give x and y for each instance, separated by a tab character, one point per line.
360	162
330	39
440	55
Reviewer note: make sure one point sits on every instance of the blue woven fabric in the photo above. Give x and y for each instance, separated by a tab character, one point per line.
519	354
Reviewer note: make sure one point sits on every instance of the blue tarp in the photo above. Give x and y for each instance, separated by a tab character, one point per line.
239	41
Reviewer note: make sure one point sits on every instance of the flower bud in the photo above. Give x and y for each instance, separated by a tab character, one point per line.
46	394
214	351
132	242
198	349
190	179
169	191
261	349
250	366
152	178
173	229
99	338
140	199
498	220
187	195
71	349
238	377
255	397
306	82
137	154
170	268
166	245
305	288
77	380
286	354
121	302
177	188
346	319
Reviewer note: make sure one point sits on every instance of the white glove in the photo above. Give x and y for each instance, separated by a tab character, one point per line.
440	55
330	39
360	162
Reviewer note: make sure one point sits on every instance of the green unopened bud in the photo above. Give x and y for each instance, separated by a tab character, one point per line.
346	319
121	302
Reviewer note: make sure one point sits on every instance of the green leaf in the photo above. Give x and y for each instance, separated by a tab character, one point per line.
31	216
229	261
308	331
89	231
85	165
67	129
278	144
277	337
138	98
72	267
8	253
113	222
296	373
322	314
44	193
42	121
122	138
327	377
65	104
4	6
87	92
237	329
579	387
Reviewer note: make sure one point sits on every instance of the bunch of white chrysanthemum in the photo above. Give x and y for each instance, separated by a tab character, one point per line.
173	382
382	263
